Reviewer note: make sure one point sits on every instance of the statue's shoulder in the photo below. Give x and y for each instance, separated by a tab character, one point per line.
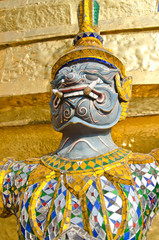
31	169
155	154
40	172
141	158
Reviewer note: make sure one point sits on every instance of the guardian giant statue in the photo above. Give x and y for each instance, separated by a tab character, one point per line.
89	188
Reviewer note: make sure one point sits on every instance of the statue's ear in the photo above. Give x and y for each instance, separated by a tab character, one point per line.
124	89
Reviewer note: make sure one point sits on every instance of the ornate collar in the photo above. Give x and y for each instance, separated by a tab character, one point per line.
103	162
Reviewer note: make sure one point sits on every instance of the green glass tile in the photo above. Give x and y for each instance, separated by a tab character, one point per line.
129	204
51	194
87	167
147	191
63	209
129	217
62	168
42	194
109	213
80	215
70	169
56	166
125	192
79	169
97	165
127	229
88	213
145	196
110	161
115	192
59	224
116	157
134	174
140	221
32	232
93	160
137	235
140	192
37	213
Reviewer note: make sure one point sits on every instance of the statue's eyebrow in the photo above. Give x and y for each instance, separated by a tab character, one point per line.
100	75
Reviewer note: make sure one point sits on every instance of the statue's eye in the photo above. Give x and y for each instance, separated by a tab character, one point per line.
91	77
58	84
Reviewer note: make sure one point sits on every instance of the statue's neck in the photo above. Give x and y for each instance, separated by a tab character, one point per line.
81	144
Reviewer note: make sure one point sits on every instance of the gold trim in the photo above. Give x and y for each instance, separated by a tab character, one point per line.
77	187
32	214
4	211
52	204
97	169
138	158
67	213
20	235
32	160
86	224
2	176
87	41
104	210
38	174
120	173
124	221
142	212
88	52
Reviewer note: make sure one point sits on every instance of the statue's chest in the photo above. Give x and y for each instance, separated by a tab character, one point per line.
104	209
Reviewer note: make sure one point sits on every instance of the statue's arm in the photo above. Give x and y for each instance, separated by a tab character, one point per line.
15	177
4	166
145	173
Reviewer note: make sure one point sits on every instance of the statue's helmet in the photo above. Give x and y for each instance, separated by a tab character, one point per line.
88	50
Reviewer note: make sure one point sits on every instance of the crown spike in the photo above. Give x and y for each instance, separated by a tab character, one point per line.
88	16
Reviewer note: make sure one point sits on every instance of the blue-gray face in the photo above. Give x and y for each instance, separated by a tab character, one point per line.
85	93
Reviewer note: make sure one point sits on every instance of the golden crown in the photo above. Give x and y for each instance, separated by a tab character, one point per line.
88	44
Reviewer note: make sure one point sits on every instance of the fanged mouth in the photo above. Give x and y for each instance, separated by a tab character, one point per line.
75	91
78	91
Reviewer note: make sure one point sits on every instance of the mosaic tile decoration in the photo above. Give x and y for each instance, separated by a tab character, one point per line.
62	164
56	206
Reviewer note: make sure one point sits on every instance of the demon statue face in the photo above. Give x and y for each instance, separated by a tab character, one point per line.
85	93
